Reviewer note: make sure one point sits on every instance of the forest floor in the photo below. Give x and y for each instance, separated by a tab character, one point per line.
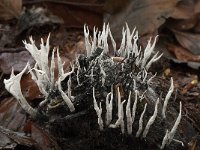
179	39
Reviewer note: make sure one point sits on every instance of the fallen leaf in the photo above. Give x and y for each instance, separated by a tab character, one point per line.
147	16
34	19
16	60
182	53
11	114
10	9
113	6
75	13
143	40
29	88
18	137
6	142
197	7
43	139
184	10
189	41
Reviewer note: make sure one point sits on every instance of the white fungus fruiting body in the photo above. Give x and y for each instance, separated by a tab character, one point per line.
129	51
127	70
42	74
12	85
151	120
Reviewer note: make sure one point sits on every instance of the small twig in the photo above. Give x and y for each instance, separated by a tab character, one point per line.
61	2
1	75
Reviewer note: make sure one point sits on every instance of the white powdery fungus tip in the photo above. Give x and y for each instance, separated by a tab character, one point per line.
165	139
109	107
13	86
127	48
69	84
151	78
148	51
169	136
171	89
134	106
87	40
151	120
173	130
62	75
120	120
66	98
98	111
141	122
52	69
128	115
152	60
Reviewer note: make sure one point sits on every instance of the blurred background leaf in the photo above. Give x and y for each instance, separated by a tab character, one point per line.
10	9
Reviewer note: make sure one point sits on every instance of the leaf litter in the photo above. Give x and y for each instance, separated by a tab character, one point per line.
149	17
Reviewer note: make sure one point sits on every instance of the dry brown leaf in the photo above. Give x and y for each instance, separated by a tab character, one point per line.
6	142
184	10
17	60
197	7
29	88
182	53
75	13
146	16
11	114
43	139
113	6
10	9
18	137
189	41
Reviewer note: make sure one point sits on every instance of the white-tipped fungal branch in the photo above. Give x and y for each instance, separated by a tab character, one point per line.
102	72
120	121
69	90
128	115
12	85
151	120
134	106
109	107
151	78
44	75
147	53
66	98
141	122
98	111
173	130
170	135
165	139
171	89
62	75
52	69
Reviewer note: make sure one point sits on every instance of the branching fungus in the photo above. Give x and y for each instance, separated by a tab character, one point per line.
120	83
